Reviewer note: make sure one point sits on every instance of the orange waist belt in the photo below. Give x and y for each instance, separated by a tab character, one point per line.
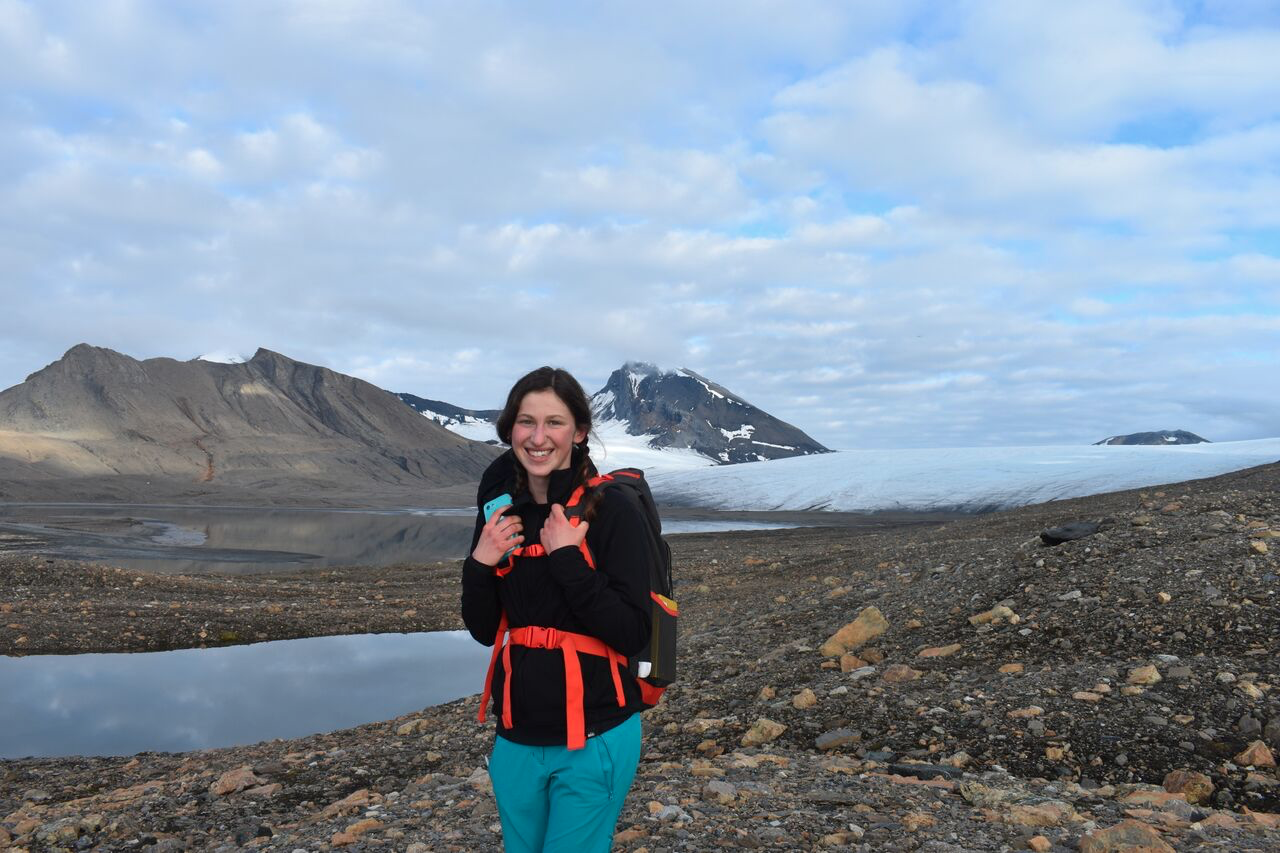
570	646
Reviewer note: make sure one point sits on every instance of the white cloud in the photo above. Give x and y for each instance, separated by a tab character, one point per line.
889	224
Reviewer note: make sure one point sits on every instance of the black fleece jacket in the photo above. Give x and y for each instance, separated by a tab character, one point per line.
561	591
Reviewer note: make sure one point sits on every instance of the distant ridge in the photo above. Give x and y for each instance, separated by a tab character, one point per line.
271	426
449	415
680	409
1164	436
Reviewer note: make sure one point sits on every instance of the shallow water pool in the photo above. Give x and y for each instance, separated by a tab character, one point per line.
119	704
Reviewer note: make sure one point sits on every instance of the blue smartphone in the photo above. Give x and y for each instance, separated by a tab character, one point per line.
493	506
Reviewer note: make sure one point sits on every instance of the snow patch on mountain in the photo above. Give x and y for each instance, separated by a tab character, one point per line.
964	479
222	357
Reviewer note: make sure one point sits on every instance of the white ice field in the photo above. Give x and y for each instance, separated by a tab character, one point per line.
965	479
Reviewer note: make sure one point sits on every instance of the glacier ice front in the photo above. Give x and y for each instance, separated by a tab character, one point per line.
952	479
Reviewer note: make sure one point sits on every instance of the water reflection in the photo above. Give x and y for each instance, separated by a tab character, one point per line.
193	540
119	704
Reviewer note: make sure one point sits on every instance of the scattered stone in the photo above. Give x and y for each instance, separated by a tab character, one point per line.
1256	754
763	731
900	672
1258	546
1012	668
1039	844
1163	597
862	630
1196	787
1128	836
235	780
1024	713
1144	675
719	791
996	615
940	651
848	663
1086	696
1069	532
804	699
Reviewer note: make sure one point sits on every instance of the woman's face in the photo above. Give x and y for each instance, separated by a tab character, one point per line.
544	434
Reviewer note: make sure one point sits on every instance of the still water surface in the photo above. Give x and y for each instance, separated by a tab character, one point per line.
193	540
119	704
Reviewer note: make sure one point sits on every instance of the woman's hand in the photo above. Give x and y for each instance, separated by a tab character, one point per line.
498	536
558	532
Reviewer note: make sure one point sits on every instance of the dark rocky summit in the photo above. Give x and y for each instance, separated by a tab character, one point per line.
1164	436
946	688
684	410
447	414
98	424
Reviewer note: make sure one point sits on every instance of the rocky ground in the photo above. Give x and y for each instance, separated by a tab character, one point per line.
950	688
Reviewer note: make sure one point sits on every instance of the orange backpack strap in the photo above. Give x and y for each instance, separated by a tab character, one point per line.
498	644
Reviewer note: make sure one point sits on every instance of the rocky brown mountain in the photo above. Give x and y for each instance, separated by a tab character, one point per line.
98	424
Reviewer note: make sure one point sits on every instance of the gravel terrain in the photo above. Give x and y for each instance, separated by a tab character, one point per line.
952	687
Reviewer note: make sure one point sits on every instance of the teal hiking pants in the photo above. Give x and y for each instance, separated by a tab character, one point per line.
554	800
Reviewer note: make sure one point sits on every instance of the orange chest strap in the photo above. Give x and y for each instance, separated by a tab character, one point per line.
536	550
570	645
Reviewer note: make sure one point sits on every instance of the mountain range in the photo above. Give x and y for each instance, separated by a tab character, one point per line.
99	425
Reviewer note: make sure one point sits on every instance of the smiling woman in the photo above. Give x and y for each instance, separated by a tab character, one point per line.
568	728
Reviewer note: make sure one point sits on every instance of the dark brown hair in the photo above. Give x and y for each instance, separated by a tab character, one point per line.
562	383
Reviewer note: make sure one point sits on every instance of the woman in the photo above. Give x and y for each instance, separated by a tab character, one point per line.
568	727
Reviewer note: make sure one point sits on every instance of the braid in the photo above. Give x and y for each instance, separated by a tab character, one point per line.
586	470
520	480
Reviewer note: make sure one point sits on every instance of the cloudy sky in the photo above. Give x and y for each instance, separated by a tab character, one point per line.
893	224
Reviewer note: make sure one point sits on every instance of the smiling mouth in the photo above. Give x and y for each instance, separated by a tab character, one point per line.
538	454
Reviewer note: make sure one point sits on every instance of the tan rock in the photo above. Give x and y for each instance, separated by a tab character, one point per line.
1196	787
872	656
767	693
1144	675
265	791
349	804
848	663
1258	546
995	615
1128	836
352	833
1132	690
959	759
1256	754
862	630
235	780
1184	719
762	731
940	651
1024	713
913	625
1159	799
900	672
1267	819
1086	696
1039	843
1050	813
916	821
804	699
1012	668
1171	507
1220	820
1054	752
1163	597
634	833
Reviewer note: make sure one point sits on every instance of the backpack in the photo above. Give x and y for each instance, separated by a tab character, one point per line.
655	667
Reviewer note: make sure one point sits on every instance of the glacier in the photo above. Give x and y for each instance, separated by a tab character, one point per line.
974	479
